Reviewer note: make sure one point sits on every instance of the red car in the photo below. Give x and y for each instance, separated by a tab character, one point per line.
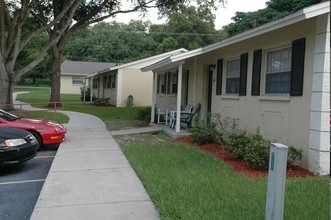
46	132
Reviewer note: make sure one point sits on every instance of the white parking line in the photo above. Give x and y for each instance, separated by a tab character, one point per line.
42	157
23	181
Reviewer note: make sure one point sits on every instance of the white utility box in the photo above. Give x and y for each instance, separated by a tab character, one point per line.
276	182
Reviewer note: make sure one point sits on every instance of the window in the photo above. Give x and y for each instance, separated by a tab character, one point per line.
109	81
163	80
233	76
77	80
95	83
278	74
113	81
167	83
173	82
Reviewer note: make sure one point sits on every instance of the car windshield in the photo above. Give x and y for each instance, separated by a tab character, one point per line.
8	116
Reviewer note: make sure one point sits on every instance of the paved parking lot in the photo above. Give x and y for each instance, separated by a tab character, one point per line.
20	186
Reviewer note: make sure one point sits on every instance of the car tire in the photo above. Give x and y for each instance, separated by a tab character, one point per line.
38	137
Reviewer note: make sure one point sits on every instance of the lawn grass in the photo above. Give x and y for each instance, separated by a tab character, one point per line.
59	117
114	118
35	95
186	183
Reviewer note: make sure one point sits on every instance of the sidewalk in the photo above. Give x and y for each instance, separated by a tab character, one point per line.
90	178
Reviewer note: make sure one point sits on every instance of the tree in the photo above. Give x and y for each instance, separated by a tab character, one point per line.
17	30
28	54
189	28
290	6
91	12
275	9
60	19
111	42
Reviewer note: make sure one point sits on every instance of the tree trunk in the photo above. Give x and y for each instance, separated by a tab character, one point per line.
6	91
56	77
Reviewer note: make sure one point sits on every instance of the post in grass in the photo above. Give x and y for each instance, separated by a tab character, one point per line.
276	182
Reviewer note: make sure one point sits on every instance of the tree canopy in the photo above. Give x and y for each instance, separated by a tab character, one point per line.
243	21
111	42
58	19
117	42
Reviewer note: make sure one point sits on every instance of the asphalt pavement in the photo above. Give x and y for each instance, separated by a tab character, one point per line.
90	178
20	185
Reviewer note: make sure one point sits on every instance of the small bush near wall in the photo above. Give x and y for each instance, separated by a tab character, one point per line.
255	150
102	101
43	82
251	148
205	131
213	128
87	92
145	114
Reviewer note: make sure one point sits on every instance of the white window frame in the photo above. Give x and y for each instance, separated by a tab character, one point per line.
77	80
227	76
284	70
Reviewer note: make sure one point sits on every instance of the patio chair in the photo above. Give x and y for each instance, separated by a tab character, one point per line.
185	117
165	113
187	109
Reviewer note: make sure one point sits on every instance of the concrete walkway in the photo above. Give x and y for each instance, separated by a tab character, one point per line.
90	178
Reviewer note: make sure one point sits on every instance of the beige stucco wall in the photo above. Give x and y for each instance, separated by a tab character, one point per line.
128	82
139	85
282	118
67	87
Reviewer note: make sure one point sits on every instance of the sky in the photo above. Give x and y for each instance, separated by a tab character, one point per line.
223	14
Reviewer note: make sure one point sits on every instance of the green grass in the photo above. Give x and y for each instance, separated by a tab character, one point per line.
36	95
114	118
59	117
186	183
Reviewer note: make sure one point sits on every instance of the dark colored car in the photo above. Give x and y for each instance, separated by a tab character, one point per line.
46	132
16	146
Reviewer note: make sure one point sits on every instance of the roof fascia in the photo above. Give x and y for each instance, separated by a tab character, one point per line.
303	14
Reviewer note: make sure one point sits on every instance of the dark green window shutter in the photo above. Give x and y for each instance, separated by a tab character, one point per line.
256	78
297	68
219	77
243	74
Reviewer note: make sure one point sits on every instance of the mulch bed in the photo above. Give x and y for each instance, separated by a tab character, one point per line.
292	171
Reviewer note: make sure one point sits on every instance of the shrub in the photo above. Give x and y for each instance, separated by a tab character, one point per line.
43	82
205	131
102	101
145	114
237	143
87	94
258	152
129	101
294	154
226	125
255	150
